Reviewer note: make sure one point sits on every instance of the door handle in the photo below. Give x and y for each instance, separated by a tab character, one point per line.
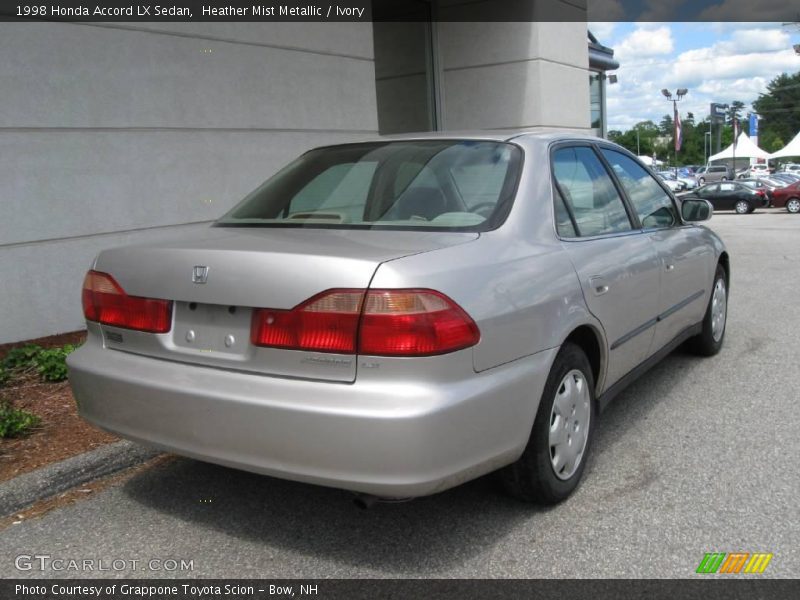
669	267
598	285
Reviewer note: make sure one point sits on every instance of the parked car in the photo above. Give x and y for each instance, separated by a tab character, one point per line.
791	168
774	181
754	171
732	195
788	196
762	183
786	177
673	183
398	316
715	173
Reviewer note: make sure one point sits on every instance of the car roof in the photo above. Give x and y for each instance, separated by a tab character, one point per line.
533	134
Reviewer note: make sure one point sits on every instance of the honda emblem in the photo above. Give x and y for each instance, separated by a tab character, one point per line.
199	274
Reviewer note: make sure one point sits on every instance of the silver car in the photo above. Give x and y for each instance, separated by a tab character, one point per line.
399	316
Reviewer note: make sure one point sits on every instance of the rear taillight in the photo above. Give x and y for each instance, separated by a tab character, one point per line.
375	322
414	323
327	322
104	301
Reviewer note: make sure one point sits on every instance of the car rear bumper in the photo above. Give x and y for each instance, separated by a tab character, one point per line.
400	439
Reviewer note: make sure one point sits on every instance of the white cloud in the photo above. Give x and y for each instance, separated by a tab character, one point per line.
759	40
735	68
646	41
602	30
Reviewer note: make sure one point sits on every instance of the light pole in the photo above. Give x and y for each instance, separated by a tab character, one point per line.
706	144
679	94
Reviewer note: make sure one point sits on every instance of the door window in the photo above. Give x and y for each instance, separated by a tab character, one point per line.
650	201
589	192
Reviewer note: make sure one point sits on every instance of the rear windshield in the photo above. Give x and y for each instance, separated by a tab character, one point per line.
449	185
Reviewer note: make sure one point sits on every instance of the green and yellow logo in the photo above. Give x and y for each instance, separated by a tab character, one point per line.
734	562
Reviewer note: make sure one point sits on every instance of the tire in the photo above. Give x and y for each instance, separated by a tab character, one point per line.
724	179
742	207
709	341
793	205
702	181
534	477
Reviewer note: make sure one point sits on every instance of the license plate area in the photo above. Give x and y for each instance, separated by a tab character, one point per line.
212	328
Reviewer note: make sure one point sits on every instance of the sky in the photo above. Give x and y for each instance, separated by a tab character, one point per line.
716	62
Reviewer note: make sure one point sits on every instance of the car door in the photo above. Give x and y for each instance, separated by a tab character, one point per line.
684	258
710	193
727	195
617	265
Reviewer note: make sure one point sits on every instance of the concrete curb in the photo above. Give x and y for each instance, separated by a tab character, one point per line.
58	477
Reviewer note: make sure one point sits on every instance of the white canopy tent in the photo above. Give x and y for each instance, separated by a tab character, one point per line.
648	160
790	149
744	149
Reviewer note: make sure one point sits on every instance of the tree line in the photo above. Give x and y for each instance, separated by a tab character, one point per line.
778	109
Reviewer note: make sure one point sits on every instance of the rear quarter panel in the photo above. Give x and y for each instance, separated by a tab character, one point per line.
524	297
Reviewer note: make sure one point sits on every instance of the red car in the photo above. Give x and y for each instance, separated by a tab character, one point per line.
788	196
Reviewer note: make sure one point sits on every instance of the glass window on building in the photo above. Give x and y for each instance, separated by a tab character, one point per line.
596	101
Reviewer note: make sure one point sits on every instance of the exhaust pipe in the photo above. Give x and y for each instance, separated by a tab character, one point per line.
367	501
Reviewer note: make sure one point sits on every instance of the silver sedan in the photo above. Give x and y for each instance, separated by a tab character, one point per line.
398	316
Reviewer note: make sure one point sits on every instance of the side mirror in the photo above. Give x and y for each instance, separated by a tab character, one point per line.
696	209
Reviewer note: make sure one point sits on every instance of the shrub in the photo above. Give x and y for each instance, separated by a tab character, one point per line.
51	363
24	356
4	375
14	421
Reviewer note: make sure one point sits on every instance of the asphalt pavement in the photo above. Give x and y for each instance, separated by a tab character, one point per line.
700	455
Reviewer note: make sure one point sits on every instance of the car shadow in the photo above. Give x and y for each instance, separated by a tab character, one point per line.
634	404
426	535
423	536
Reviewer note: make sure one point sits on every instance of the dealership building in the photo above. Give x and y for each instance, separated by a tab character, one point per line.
120	133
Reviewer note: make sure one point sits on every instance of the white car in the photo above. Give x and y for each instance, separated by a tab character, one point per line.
758	170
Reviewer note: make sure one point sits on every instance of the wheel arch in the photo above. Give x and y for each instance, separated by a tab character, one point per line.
725	261
588	339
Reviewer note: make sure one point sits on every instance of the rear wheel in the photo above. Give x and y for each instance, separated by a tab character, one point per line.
701	181
709	341
742	207
793	205
553	461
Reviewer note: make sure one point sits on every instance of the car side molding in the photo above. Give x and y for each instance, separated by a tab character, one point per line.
606	397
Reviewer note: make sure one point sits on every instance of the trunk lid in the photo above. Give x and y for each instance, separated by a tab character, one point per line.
246	268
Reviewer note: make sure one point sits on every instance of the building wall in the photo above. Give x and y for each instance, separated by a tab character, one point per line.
115	134
510	75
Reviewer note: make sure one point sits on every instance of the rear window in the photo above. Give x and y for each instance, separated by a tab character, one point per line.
452	185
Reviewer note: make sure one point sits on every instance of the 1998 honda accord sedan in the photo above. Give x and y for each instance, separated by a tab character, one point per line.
396	317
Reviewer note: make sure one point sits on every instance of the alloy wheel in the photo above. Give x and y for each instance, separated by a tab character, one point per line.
742	207
793	206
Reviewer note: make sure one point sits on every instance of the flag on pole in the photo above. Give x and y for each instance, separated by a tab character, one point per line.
678	131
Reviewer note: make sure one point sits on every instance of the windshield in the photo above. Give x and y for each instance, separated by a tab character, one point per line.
452	185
